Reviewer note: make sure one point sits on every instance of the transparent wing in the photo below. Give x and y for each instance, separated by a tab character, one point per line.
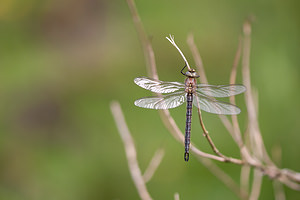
158	86
220	90
163	102
214	106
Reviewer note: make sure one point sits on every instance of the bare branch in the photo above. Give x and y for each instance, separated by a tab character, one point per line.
277	186
257	144
245	170
288	182
154	163
176	196
227	124
292	175
244	179
172	41
225	178
236	128
205	133
130	151
278	190
147	48
256	185
197	58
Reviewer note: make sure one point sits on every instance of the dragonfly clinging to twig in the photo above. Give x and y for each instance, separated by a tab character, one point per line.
201	95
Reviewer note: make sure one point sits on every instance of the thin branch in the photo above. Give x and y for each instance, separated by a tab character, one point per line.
278	190
172	41
130	151
176	196
256	140
205	132
292	175
277	186
197	58
147	48
256	185
225	178
154	163
288	182
244	179
236	128
245	170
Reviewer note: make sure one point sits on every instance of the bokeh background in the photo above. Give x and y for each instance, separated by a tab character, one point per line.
63	62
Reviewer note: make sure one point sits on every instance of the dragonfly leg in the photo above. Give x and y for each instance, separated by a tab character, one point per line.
183	69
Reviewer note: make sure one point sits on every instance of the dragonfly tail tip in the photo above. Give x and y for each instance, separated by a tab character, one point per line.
186	156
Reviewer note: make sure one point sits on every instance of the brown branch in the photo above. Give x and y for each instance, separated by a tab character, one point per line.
154	163
172	41
197	58
256	185
277	186
225	178
206	135
244	179
292	175
147	47
130	151
256	141
176	196
278	190
236	128
257	145
245	170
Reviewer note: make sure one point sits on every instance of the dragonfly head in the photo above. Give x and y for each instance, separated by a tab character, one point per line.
192	74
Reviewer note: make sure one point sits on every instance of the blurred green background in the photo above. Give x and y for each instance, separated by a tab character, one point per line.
63	62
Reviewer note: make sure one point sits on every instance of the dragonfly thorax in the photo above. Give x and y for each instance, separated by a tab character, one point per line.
190	85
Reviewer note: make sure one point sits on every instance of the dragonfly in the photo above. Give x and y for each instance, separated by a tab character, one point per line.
199	95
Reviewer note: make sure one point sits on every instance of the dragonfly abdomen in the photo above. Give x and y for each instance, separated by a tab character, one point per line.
189	105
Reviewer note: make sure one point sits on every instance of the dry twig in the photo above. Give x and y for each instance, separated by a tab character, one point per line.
130	151
154	163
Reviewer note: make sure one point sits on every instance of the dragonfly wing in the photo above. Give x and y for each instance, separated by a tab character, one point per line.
158	86
214	106
163	102
220	90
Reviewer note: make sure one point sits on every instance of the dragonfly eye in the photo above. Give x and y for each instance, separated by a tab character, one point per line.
195	75
188	73
192	73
